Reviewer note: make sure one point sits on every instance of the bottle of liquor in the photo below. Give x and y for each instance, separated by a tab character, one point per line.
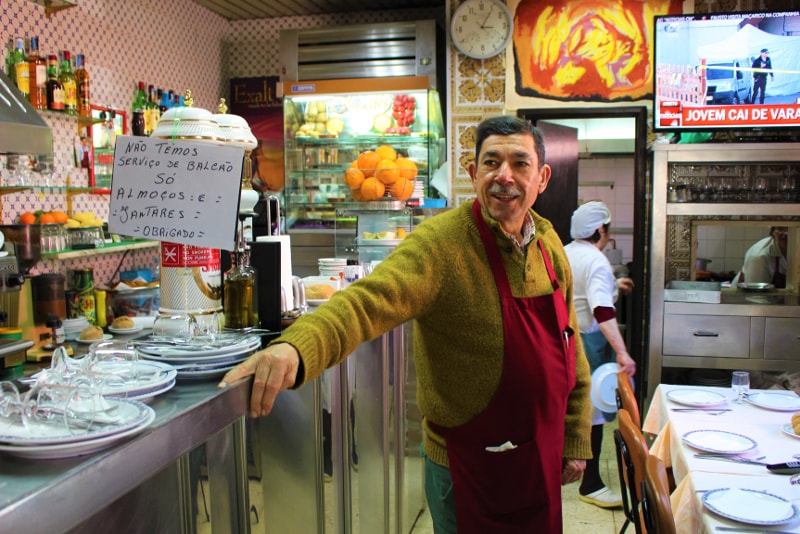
70	84
163	101
139	98
82	80
21	74
55	90
151	112
37	67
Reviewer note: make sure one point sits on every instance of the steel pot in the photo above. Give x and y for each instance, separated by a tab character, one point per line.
27	240
701	264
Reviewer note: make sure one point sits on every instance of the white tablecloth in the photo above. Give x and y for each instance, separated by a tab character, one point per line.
694	475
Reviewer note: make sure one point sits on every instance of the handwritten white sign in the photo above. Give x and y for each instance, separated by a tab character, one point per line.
179	191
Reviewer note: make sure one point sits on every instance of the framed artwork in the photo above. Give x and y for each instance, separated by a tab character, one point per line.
570	52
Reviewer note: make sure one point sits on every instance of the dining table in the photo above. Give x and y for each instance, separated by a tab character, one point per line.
734	440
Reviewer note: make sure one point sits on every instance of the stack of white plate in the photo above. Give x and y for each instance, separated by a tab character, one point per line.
122	418
198	361
73	327
331	266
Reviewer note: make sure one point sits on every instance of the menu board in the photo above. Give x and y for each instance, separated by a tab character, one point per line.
178	191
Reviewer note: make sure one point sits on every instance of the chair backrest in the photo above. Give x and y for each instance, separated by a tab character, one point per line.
630	503
656	507
637	448
626	398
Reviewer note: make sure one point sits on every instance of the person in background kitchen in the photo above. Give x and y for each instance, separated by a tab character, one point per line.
765	260
502	380
595	292
762	66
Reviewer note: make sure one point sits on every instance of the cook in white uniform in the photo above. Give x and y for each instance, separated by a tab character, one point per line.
595	290
765	261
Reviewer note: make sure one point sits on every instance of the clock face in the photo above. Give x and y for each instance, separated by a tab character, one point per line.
481	28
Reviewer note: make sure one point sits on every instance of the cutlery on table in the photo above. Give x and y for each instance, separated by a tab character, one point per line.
719	410
751	529
734	459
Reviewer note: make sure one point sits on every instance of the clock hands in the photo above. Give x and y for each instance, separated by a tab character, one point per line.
483	24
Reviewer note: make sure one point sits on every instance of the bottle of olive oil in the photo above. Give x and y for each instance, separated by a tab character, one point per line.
239	294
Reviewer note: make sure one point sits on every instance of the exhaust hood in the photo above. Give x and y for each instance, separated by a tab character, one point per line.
22	130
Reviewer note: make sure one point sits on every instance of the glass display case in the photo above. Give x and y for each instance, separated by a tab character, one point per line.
328	124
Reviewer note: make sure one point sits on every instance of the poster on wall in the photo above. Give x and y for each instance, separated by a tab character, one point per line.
255	99
573	52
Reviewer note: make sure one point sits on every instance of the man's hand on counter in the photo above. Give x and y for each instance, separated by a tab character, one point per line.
274	369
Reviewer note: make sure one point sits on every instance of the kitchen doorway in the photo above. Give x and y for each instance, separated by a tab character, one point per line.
602	149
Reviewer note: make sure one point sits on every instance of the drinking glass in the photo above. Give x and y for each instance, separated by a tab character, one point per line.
113	365
740	382
206	327
174	327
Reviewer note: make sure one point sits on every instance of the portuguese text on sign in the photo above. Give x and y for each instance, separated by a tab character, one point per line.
178	191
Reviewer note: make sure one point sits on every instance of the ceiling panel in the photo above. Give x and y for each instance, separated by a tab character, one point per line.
259	9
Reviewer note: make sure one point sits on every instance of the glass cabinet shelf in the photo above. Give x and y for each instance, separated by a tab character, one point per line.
329	124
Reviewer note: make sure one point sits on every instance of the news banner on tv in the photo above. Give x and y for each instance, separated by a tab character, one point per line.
727	71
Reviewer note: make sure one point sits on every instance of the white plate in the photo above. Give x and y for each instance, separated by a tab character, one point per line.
123	331
77	448
106	337
204	374
696	397
146	396
604	387
129	413
780	402
753	507
152	375
316	302
789	431
718	441
178	355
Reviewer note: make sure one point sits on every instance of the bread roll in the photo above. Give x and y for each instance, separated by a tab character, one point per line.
319	291
123	322
91	333
796	423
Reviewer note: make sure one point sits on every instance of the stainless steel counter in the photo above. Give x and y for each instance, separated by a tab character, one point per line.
58	495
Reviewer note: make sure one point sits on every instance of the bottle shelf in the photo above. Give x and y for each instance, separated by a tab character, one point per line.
697	208
52	189
109	248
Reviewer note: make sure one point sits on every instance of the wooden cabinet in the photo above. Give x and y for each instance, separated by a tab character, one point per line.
737	185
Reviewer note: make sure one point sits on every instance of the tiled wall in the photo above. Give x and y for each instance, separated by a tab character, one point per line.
174	44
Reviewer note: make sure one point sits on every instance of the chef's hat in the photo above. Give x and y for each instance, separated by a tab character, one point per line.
588	218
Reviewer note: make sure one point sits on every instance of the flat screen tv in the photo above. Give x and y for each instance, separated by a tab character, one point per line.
737	71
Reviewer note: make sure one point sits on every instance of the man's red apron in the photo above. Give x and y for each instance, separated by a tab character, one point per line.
517	490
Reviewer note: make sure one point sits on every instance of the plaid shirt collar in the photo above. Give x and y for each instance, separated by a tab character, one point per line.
528	233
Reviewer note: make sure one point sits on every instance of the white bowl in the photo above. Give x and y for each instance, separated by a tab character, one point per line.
236	131
188	123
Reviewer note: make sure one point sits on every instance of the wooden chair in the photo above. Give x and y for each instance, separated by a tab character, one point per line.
638	451
626	398
656	507
630	504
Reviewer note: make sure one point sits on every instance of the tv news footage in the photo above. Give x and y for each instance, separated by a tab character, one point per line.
727	71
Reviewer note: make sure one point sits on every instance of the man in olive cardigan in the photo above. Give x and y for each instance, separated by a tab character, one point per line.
441	276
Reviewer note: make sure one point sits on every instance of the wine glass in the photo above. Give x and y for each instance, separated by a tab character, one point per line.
740	382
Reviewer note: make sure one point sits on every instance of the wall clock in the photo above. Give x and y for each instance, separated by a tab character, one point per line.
481	28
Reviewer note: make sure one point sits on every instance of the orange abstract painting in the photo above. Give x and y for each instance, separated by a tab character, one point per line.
599	51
